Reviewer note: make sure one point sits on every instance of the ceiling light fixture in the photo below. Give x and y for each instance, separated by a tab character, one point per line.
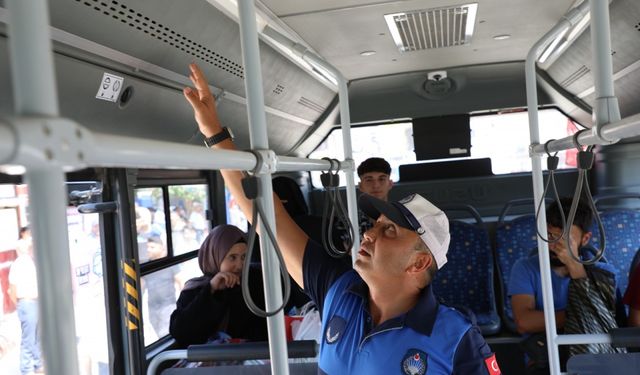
367	53
502	37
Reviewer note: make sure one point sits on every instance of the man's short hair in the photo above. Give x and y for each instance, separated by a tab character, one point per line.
374	165
154	238
583	219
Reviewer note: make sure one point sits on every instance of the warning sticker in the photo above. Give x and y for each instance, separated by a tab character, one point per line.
109	87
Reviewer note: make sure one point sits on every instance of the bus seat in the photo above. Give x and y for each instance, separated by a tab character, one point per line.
617	363
514	240
310	368
622	228
467	278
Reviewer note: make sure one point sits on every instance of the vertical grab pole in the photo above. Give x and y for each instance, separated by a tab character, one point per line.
571	18
606	109
259	141
345	121
35	95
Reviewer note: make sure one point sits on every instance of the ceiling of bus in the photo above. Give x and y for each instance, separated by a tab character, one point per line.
341	29
150	44
572	70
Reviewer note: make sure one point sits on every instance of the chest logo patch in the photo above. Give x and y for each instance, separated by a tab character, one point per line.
414	362
335	329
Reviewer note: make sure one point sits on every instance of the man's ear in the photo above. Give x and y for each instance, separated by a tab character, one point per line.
420	263
585	238
390	183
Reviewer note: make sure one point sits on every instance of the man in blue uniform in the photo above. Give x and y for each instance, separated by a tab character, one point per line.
381	318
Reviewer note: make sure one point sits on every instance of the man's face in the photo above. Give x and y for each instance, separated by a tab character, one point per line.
385	252
155	250
558	251
376	184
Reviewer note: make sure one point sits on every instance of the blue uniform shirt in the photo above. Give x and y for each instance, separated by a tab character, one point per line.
526	279
429	339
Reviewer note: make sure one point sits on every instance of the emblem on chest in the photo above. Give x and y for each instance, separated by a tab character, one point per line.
414	362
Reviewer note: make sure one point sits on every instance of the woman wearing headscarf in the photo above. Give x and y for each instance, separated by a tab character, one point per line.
213	302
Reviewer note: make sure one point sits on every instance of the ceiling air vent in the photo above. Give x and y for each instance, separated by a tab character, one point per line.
432	28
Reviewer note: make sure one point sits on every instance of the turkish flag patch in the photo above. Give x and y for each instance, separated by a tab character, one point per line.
492	365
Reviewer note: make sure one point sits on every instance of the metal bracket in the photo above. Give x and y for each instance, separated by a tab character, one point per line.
606	111
266	162
532	147
43	143
218	98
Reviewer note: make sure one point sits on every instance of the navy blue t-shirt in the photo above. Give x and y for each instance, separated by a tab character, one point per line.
429	339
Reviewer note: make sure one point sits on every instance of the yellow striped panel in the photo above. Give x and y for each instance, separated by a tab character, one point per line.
129	271
131	290
133	310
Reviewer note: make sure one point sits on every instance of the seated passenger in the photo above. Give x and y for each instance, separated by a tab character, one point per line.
213	302
632	297
579	291
374	174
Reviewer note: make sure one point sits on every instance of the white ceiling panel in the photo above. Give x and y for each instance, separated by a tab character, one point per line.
341	30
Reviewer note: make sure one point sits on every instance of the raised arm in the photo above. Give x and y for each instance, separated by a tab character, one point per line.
290	237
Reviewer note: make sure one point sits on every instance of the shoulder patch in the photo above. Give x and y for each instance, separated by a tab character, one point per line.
492	365
335	329
414	362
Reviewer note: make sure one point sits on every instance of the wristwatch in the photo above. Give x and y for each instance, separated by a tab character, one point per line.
217	138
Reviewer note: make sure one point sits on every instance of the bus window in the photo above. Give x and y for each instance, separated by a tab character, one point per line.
150	223
160	290
394	142
234	214
189	224
85	252
513	157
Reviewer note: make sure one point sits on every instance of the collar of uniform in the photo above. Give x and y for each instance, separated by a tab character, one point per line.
420	318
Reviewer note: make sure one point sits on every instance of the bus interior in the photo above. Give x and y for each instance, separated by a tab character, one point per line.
94	126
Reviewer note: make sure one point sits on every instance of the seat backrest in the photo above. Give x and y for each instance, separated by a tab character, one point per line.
514	240
467	278
622	229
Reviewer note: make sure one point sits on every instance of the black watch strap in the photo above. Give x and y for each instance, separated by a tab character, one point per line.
217	138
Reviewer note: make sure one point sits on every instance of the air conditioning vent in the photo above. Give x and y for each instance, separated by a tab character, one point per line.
432	28
575	76
127	16
311	104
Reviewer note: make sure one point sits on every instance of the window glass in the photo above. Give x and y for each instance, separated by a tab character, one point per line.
189	225
160	291
393	142
502	137
88	287
505	139
89	303
150	224
234	213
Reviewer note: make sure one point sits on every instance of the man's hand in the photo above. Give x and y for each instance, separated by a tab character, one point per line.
202	102
574	268
224	280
